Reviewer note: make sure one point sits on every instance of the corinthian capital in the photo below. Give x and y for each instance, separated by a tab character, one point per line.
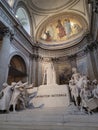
8	33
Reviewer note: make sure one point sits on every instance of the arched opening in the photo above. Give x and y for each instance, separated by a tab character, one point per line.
23	17
17	70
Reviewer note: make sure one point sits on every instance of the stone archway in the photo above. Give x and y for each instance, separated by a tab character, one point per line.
17	70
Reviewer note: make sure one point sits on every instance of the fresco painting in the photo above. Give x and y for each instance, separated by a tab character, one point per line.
60	30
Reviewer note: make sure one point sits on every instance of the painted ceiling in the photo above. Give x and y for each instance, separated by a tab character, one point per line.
57	22
62	28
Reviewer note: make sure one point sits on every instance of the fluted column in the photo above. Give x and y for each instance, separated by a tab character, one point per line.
91	64
95	53
72	59
30	69
40	76
34	69
4	56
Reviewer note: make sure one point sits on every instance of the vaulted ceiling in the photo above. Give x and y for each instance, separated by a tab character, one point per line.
45	13
41	10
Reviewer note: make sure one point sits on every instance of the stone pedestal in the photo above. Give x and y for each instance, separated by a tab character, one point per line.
51	96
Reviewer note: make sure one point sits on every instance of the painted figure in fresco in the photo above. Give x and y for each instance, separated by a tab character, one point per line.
48	36
67	26
48	33
50	29
61	29
76	28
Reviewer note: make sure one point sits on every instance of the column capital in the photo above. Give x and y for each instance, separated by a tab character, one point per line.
94	5
72	56
8	33
34	56
55	59
91	47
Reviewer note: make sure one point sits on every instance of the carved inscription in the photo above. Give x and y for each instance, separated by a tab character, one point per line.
53	95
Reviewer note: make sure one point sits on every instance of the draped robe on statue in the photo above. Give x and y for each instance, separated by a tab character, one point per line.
49	74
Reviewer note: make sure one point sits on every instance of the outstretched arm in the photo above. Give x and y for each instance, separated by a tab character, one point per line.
30	86
22	85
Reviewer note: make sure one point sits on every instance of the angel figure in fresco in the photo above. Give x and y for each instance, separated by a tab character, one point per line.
48	36
67	26
48	33
51	30
76	28
61	29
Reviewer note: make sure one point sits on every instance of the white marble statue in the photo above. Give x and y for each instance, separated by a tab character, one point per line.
49	74
85	95
94	83
76	76
15	94
78	83
6	96
74	91
27	96
82	83
85	90
19	87
95	92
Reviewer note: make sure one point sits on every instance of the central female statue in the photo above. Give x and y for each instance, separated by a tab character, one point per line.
49	74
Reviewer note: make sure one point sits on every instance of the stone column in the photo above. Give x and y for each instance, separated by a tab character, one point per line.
30	70
96	60
91	65
72	59
95	53
40	76
34	70
4	56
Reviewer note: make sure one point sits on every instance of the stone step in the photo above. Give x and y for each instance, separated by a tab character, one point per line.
47	126
48	119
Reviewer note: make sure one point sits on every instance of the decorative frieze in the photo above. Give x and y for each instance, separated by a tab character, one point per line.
8	33
5	18
23	41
